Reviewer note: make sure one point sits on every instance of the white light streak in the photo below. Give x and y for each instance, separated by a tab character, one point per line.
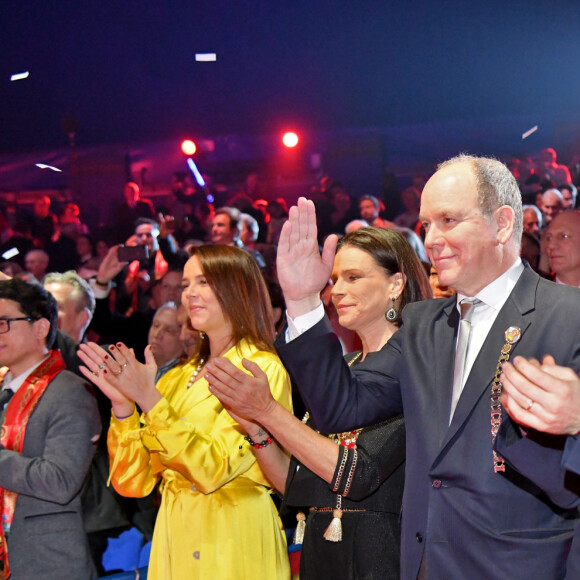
44	166
10	253
205	57
196	172
19	76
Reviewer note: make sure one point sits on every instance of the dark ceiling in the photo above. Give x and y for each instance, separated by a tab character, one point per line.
126	69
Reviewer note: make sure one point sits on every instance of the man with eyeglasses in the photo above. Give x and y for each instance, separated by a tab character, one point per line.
561	243
50	424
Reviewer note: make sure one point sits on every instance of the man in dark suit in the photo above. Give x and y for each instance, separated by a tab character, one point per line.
465	513
49	431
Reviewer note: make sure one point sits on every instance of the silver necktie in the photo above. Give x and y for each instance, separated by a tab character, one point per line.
467	306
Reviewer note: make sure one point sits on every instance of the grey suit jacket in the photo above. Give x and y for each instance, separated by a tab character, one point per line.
469	521
47	539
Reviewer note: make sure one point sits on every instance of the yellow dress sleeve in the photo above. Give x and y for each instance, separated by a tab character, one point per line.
131	470
277	378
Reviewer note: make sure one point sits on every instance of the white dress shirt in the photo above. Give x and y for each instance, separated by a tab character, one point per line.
15	383
493	296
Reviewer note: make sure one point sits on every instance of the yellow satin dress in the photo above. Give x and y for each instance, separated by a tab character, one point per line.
216	519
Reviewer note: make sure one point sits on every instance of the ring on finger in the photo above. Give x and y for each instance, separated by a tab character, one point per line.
102	366
118	372
529	407
122	364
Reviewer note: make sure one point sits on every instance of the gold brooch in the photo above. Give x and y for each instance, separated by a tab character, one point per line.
513	334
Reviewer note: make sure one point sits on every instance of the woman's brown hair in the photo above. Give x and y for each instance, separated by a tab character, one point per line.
237	283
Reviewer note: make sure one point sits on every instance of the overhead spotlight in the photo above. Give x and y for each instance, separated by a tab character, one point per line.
188	147
290	139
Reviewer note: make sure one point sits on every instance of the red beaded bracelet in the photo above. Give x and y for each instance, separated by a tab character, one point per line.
261	444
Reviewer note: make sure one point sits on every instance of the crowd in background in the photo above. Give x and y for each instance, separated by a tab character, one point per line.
55	237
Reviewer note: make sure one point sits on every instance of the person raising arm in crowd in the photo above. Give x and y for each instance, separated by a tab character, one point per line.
462	506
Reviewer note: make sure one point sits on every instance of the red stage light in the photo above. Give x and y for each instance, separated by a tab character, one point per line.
290	139
188	147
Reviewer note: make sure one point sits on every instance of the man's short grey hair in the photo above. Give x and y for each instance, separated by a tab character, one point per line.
82	292
38	252
372	198
355	225
553	191
496	186
415	242
171	305
536	210
251	225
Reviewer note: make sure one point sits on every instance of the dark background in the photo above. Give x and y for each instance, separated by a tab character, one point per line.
126	69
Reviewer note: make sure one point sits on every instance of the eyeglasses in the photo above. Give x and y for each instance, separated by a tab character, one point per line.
5	323
560	237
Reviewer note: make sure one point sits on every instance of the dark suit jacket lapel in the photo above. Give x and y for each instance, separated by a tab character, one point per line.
515	312
445	337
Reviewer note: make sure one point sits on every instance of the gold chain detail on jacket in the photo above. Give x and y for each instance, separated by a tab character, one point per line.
512	336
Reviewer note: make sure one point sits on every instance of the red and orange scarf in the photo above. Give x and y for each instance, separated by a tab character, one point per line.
16	418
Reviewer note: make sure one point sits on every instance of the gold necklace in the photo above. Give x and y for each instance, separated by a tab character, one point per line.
198	368
196	371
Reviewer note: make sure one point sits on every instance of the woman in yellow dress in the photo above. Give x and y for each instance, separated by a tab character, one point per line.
216	519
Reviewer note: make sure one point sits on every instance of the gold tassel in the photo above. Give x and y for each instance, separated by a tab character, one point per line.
334	531
300	528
